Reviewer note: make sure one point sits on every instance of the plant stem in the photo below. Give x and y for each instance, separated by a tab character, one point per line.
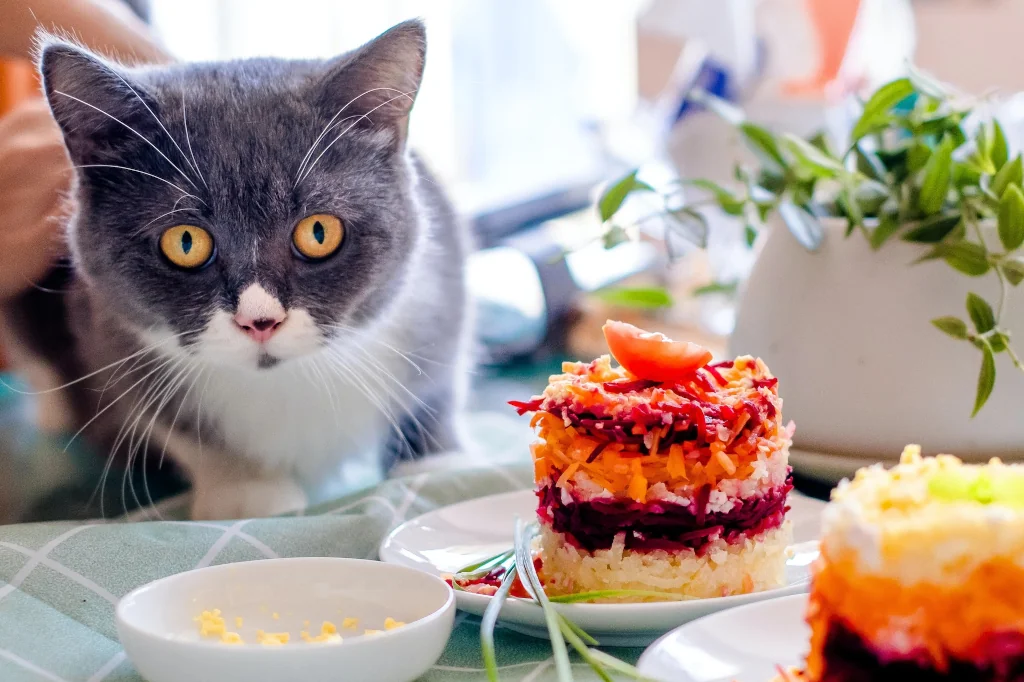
1004	290
1014	358
1003	293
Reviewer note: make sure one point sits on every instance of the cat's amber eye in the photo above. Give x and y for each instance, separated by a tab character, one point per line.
318	236
187	246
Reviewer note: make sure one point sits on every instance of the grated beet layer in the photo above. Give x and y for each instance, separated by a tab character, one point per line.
593	524
847	658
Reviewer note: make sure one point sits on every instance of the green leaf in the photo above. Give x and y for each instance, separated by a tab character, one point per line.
937	174
1013	270
1011	173
749	235
967	257
648	298
940	124
894	160
986	379
999	342
813	159
981	313
802	223
613	198
724	109
888	225
614	236
690	225
821	142
763	142
869	164
854	211
1011	218
771	180
876	111
965	175
953	326
926	84
933	229
957	135
729	202
918	155
981	163
1000	148
984	143
871	196
716	288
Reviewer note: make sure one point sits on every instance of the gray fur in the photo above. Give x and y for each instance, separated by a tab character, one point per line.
229	161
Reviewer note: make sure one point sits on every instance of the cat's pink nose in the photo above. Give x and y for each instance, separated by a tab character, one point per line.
259	329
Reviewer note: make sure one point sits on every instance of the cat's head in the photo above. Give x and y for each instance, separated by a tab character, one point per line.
253	210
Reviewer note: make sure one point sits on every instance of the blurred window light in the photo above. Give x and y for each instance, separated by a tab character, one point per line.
512	95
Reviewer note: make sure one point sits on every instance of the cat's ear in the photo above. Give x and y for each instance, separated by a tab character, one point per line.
379	80
91	99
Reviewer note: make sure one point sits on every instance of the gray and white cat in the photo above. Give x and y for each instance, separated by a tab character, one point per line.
264	279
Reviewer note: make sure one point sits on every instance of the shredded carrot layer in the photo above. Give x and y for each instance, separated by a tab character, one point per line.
562	452
945	621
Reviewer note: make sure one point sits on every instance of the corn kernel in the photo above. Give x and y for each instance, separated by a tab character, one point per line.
391	624
231	638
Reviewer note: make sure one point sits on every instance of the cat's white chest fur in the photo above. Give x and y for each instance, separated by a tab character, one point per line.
301	417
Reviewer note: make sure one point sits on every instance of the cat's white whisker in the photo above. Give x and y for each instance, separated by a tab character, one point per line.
405	355
188	141
168	394
379	368
410	413
154	393
137	365
323	133
133	130
114	378
162	127
363	117
113	451
358	379
177	413
162	215
323	381
135	170
345	371
128	473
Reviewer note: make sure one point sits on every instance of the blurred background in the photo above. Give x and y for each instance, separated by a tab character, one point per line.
528	109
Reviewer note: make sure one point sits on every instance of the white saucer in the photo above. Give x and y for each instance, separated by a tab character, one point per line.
747	643
445	540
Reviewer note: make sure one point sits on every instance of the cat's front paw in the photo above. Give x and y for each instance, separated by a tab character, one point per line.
246	499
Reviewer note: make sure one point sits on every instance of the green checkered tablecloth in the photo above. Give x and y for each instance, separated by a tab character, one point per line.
60	581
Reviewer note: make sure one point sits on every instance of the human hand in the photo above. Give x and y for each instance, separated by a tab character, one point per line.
35	175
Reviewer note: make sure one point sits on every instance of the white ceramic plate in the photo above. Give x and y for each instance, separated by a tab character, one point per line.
157	628
739	644
447	539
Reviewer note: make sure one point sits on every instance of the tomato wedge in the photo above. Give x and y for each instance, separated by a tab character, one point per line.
654	356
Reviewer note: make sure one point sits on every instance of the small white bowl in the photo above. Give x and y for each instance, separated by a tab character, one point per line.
157	626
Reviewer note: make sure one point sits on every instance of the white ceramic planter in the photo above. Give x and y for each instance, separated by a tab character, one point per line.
861	370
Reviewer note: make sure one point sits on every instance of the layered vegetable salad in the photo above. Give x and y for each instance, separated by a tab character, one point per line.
921	575
663	473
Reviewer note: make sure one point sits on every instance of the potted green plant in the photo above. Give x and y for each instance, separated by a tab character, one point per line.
920	214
